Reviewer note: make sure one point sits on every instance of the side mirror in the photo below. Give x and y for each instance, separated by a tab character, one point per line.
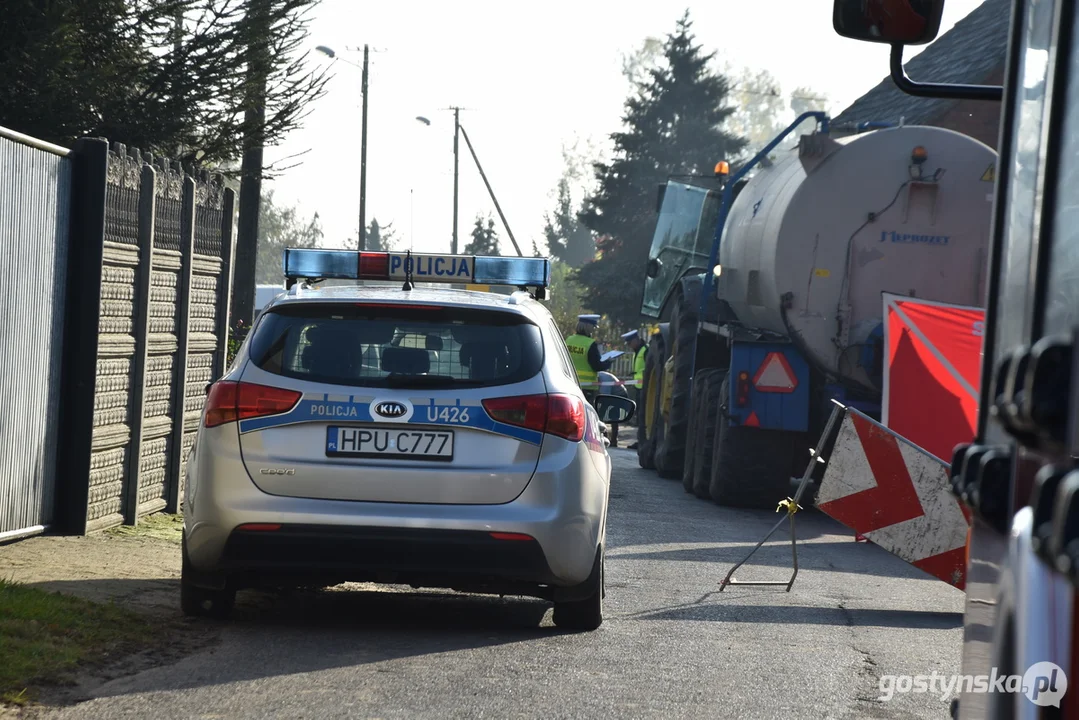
737	188
653	268
894	22
613	409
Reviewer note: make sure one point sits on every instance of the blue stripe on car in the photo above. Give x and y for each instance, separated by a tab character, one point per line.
431	413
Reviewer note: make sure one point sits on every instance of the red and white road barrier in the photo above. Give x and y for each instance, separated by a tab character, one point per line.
898	496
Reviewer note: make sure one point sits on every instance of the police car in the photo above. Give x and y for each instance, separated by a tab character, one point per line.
432	437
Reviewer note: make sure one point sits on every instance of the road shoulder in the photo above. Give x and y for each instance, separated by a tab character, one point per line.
130	575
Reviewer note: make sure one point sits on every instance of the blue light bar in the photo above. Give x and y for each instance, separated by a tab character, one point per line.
519	272
463	269
323	264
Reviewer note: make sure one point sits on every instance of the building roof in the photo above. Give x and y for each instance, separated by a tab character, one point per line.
973	51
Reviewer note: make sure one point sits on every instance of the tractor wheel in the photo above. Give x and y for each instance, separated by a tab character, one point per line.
695	406
671	447
706	434
751	467
649	419
697	409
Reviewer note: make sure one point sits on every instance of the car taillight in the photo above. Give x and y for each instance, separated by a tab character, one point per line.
565	417
527	411
561	415
231	401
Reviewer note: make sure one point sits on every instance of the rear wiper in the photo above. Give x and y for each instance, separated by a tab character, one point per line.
404	380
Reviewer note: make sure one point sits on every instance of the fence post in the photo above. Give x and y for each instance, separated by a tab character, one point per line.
183	323
224	283
141	331
89	171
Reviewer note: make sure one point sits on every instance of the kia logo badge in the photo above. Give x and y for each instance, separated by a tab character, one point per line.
390	409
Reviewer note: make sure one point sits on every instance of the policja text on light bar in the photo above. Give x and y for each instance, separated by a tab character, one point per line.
309	263
457	269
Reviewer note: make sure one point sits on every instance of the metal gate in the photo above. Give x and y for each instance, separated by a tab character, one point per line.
35	203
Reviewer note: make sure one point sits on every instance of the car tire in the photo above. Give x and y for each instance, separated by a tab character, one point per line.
751	468
706	434
203	602
650	419
671	447
586	614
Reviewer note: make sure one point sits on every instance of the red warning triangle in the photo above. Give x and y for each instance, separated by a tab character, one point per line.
753	420
775	375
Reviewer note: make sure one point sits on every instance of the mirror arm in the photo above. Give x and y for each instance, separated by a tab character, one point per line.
939	90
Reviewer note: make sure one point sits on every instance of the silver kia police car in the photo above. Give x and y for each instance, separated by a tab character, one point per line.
423	436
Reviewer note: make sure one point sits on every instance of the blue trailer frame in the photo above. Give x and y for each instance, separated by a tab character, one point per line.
756	402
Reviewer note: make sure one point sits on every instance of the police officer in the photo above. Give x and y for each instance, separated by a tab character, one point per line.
584	351
640	352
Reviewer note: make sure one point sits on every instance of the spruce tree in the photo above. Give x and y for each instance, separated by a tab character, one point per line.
166	76
380	238
281	227
567	238
674	123
484	238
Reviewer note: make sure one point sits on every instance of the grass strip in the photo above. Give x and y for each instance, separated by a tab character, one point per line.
45	636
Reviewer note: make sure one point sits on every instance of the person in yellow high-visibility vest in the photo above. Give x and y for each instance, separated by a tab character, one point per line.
639	349
584	351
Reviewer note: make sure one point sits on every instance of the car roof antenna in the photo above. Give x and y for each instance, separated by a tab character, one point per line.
408	271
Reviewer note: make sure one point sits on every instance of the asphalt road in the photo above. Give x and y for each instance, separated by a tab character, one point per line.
670	646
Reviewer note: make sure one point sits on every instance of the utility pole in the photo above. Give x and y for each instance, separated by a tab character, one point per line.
456	133
361	235
363	159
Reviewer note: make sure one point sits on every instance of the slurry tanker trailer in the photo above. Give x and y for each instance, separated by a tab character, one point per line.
767	285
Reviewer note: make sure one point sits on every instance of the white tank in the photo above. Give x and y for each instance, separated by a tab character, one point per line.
812	241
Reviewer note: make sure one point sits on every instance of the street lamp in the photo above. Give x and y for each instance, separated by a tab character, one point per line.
330	53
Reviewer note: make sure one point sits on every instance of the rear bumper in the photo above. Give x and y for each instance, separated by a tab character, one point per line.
470	561
563	509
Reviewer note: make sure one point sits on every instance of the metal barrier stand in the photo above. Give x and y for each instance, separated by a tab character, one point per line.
792	507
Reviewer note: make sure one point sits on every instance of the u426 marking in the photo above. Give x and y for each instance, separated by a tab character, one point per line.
448	413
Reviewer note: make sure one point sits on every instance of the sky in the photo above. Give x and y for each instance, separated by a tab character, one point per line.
531	79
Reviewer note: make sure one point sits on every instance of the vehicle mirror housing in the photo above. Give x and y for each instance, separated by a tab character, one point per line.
653	268
737	188
613	409
893	22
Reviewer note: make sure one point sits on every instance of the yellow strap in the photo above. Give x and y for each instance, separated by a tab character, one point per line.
791	506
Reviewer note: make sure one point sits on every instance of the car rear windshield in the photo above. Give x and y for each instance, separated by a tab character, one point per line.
397	346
